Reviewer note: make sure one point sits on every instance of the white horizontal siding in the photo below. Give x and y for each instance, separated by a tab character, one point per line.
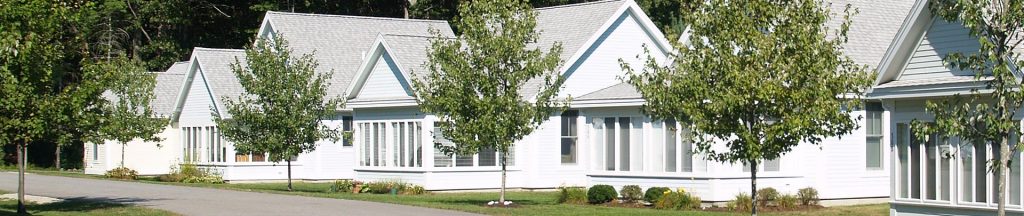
941	39
198	103
625	40
384	81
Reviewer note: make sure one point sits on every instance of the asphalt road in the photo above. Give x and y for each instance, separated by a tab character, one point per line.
203	201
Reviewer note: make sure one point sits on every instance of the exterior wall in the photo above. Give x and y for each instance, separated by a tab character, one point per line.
383	81
836	168
941	39
599	66
148	158
100	164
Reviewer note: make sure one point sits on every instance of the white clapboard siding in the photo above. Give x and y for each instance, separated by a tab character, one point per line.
599	66
198	103
941	39
385	81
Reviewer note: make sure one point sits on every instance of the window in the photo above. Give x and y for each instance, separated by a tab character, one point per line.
670	145
874	146
192	147
621	139
609	143
95	151
924	169
346	126
765	166
391	144
486	157
677	142
569	136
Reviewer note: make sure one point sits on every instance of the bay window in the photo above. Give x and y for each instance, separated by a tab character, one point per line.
391	144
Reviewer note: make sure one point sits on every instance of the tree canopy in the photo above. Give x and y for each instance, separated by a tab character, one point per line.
284	104
476	81
758	78
986	117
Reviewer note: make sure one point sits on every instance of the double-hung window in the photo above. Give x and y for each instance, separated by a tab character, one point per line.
346	127
873	152
569	136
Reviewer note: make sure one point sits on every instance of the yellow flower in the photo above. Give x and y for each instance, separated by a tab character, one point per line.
681	190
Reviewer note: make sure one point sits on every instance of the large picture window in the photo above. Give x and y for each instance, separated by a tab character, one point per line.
391	144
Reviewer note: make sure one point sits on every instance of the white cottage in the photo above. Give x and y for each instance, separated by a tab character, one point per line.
935	176
148	158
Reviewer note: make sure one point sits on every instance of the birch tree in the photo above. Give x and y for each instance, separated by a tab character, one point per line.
757	78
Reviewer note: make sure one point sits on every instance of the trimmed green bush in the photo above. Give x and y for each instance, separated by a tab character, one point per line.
787	201
767	196
631	192
387	186
742	202
654	193
808	196
572	195
122	173
599	194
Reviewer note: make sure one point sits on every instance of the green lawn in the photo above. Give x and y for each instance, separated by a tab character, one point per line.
533	203
79	207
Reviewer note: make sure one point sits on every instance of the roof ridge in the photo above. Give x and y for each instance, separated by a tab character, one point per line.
411	35
578	4
218	49
356	17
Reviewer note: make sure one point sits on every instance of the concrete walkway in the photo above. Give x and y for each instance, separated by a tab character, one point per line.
203	201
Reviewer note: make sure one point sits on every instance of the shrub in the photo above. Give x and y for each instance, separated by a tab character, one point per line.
190	173
808	196
654	193
742	202
631	192
678	200
601	194
572	195
122	173
787	201
767	196
342	186
377	187
414	190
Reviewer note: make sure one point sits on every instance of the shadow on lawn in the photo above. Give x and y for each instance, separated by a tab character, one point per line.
75	204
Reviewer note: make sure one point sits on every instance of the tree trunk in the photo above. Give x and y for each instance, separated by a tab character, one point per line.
22	160
56	160
1004	157
124	145
503	163
289	175
753	187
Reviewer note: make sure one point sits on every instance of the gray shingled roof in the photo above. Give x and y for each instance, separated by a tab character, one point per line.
168	84
617	91
216	66
340	42
572	25
873	29
410	52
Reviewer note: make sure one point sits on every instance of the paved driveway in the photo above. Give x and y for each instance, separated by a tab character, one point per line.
203	201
